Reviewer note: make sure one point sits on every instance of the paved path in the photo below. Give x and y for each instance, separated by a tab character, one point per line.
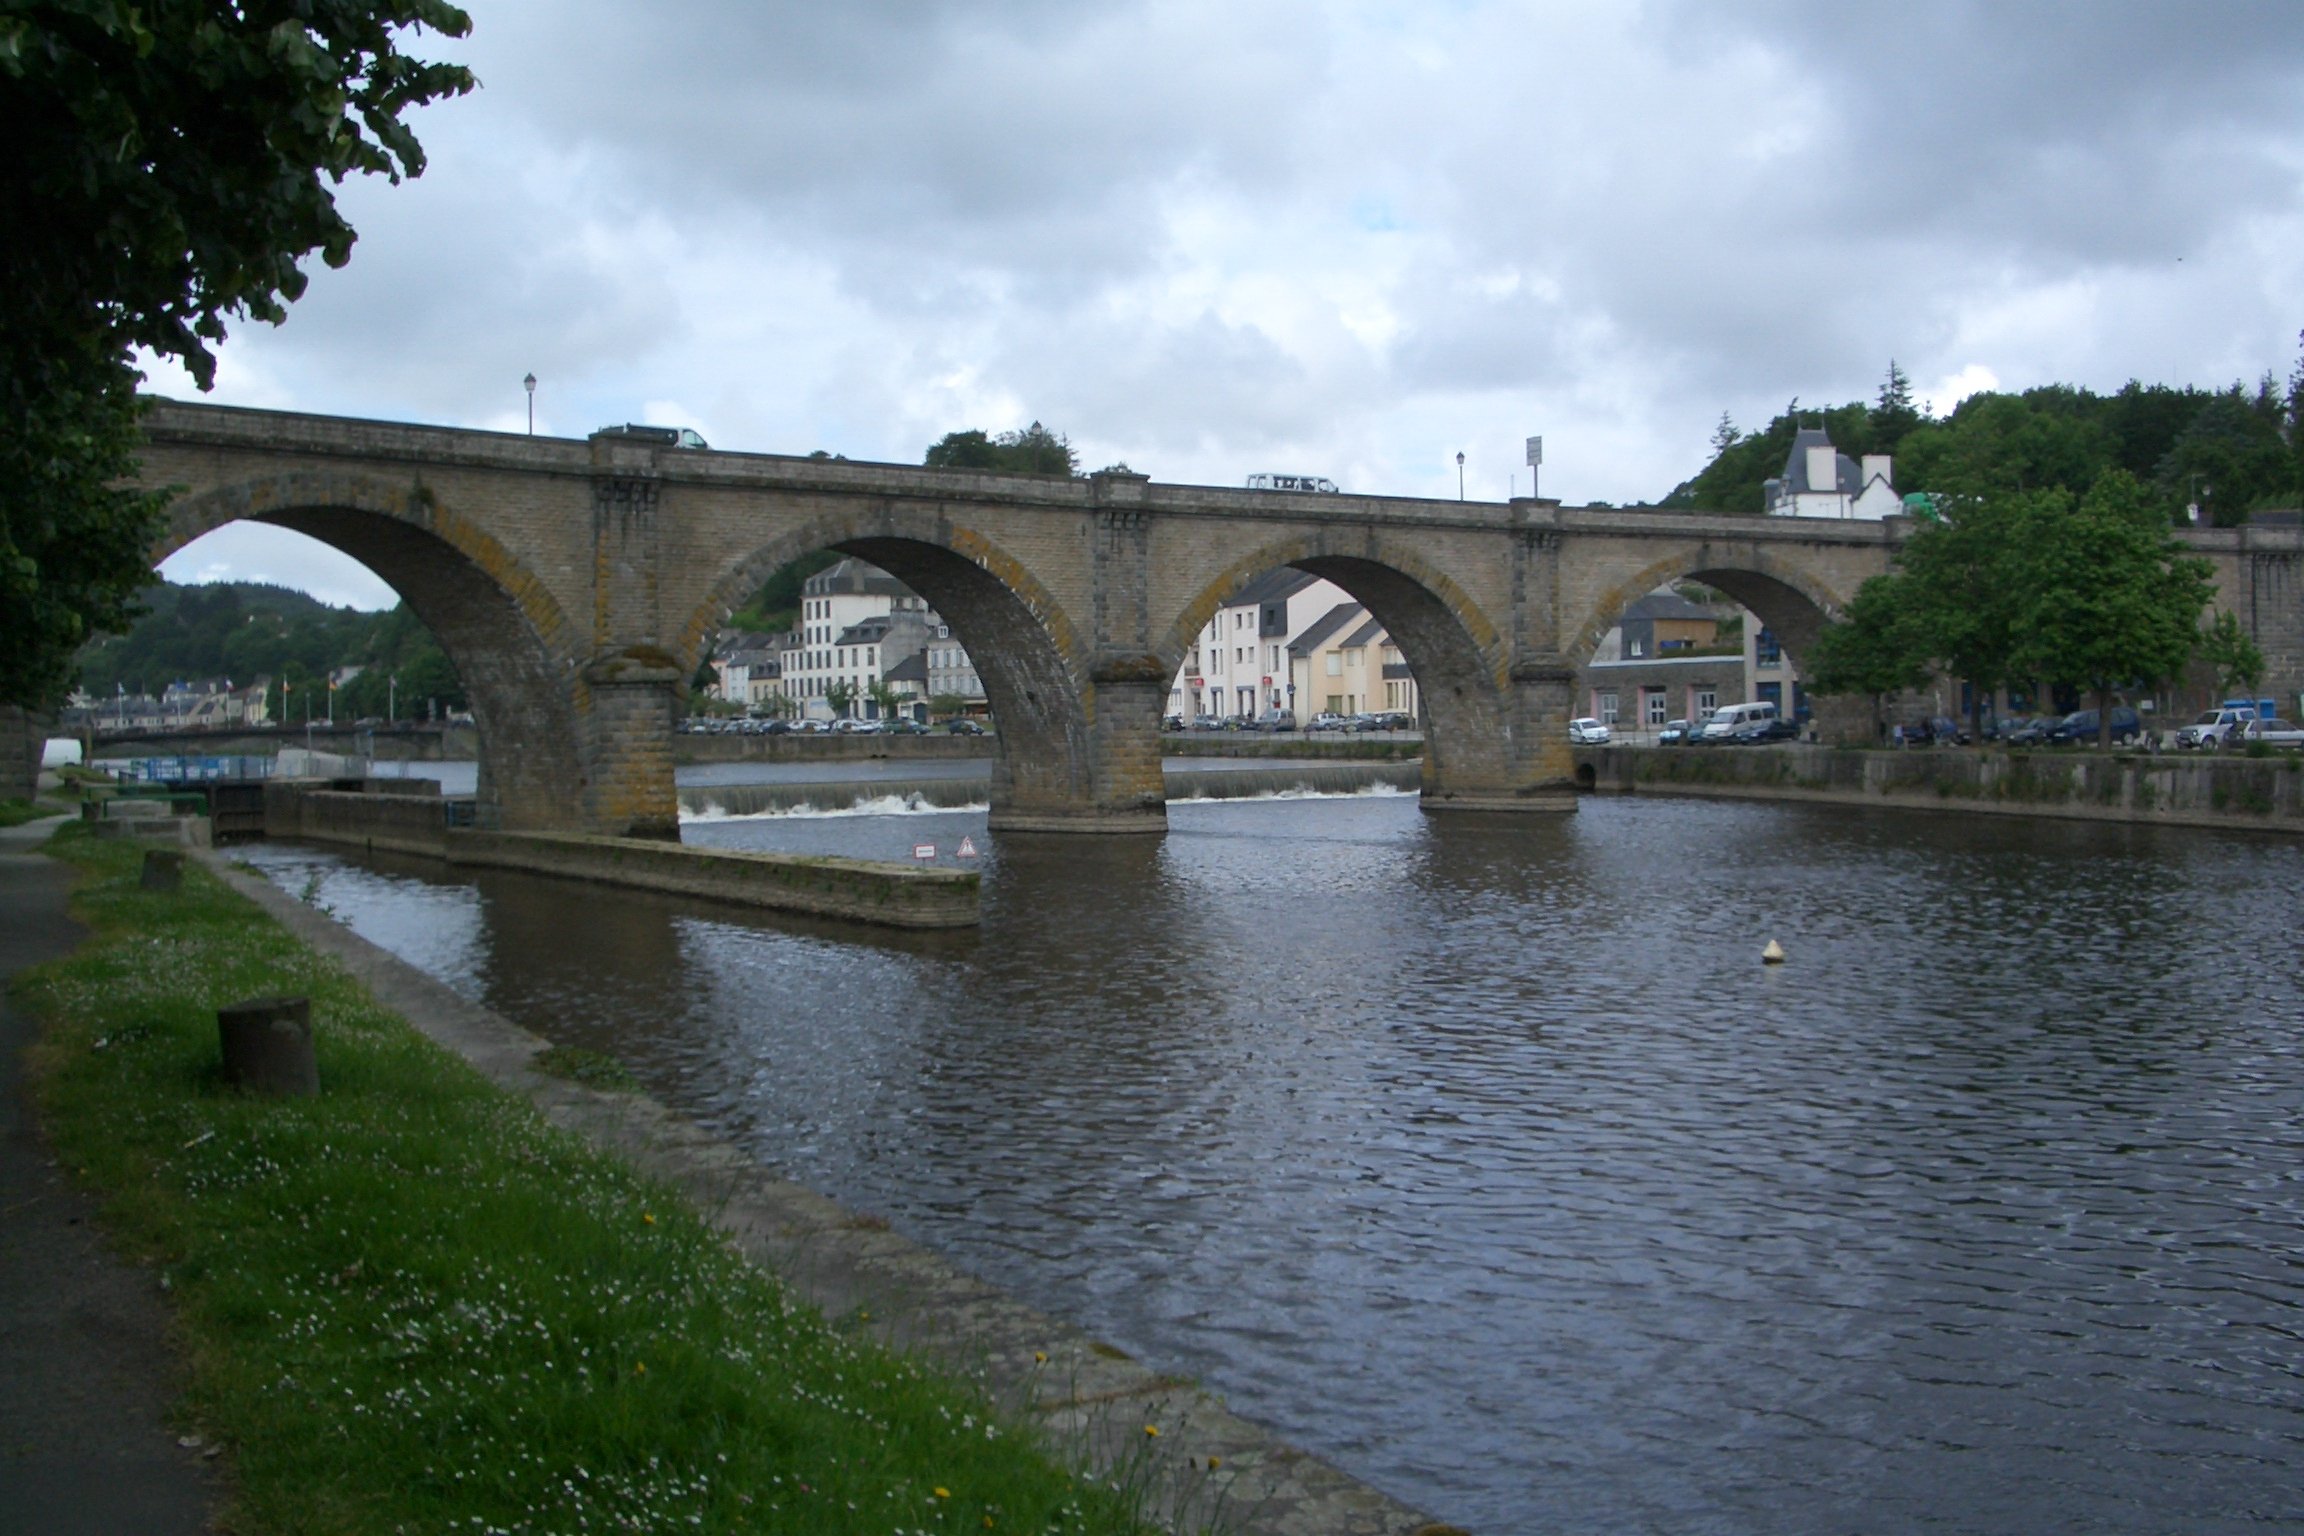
86	1372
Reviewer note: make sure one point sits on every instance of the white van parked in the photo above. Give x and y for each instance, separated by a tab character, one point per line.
1727	720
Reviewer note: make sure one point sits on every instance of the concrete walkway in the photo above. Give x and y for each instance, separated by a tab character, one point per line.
86	1369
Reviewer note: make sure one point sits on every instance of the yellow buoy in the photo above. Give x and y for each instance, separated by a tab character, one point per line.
1773	954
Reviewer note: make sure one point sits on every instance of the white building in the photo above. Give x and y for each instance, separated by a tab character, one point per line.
858	629
1821	481
1239	665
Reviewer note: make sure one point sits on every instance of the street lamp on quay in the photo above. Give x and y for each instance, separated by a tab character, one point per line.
1459	476
530	383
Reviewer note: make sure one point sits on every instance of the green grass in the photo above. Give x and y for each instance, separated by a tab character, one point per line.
14	813
410	1305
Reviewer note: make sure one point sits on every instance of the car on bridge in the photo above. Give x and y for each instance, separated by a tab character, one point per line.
670	437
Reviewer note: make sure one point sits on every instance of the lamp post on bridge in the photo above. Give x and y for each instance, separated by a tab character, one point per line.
530	383
1459	475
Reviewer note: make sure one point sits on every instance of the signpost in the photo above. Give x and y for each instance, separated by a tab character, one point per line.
1535	462
967	847
924	850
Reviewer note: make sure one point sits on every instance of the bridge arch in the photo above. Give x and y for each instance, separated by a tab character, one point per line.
1786	597
1038	675
1458	653
508	638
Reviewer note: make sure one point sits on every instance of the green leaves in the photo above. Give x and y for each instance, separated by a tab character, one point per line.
169	168
2094	594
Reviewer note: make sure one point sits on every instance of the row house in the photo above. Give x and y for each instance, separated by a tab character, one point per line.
862	633
1666	659
1239	664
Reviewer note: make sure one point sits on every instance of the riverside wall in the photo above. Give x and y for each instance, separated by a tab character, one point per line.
1309	777
2164	788
892	895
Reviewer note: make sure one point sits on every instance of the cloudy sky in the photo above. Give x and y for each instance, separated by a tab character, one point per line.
1349	239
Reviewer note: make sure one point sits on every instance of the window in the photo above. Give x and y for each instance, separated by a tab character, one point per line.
1353	655
1766	651
1707	700
1335	663
1653	704
1635	646
1606	705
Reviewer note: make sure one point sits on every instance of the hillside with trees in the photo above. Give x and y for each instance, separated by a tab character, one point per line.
2232	452
248	630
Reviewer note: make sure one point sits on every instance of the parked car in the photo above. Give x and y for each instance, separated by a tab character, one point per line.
1171	722
1397	720
1727	720
2274	732
1761	732
1206	723
962	728
1936	730
1587	732
902	727
2021	732
1676	733
1275	720
2214	728
2079	727
1327	721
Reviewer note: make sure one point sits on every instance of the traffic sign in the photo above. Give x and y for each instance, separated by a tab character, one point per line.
924	850
967	848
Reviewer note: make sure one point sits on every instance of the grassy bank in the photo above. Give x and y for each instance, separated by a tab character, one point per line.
410	1305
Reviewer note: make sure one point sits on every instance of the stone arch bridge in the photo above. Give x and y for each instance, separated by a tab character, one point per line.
577	584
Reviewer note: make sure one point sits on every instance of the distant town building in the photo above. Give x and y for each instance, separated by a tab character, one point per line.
859	629
1821	481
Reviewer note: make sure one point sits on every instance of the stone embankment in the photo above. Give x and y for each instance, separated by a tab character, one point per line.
2163	788
891	895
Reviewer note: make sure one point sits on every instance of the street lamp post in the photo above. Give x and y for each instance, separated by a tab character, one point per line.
530	383
1459	477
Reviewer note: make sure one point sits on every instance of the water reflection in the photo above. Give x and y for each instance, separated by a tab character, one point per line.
1484	1157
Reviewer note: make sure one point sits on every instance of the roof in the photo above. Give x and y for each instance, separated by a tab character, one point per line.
1272	587
855	576
1365	634
912	669
1667	605
1319	630
869	631
1796	465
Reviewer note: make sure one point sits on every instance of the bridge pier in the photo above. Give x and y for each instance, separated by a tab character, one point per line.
1115	785
1528	766
629	790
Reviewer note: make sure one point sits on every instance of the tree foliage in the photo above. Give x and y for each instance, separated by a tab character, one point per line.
2089	592
170	167
2233	451
1033	450
2226	646
2108	597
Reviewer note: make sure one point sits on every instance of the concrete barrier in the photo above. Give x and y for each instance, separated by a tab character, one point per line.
316	810
892	894
2165	788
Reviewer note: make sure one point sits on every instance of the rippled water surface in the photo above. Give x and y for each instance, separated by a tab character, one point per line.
1484	1157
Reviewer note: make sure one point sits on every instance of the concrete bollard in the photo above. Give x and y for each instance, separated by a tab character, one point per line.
163	870
267	1044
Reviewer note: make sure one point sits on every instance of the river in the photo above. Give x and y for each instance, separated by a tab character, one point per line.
1484	1157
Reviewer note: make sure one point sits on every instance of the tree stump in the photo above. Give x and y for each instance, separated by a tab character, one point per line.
267	1043
163	870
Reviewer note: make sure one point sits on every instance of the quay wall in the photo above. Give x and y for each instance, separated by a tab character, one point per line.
893	895
2242	793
